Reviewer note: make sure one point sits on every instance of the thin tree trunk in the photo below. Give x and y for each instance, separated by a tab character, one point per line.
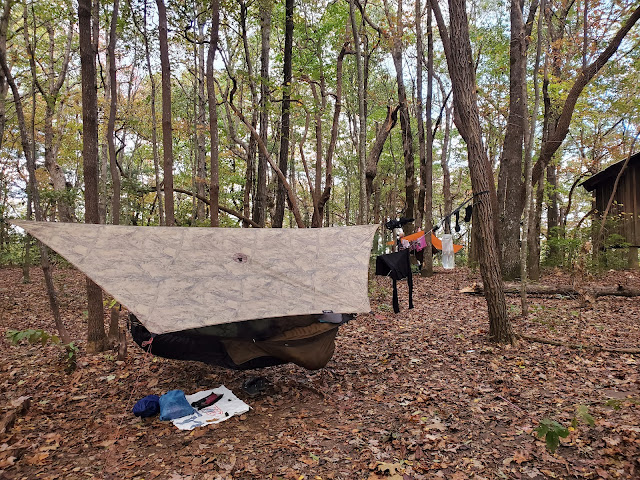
260	204
422	147
285	127
113	106
528	160
427	265
533	260
154	122
95	330
510	183
201	156
214	189
252	148
405	122
115	174
363	204
376	149
167	138
553	217
446	175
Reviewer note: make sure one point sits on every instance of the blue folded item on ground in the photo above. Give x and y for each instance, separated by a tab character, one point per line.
147	406
174	404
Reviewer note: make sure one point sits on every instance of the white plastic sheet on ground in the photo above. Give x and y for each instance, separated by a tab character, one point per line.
225	408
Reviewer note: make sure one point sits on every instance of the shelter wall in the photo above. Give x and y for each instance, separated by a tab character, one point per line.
627	199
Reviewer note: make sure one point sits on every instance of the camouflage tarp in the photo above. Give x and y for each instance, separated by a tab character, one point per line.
175	278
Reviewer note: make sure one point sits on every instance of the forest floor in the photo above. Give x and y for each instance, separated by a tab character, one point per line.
418	395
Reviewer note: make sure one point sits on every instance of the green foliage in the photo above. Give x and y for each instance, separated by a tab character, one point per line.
551	431
582	413
617	403
40	336
12	251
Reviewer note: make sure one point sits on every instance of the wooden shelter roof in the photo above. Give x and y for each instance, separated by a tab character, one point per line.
608	173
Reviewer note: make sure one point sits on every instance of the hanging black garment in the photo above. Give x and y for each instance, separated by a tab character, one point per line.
397	266
467	213
457	221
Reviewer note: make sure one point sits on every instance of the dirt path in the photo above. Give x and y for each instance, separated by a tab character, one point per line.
417	395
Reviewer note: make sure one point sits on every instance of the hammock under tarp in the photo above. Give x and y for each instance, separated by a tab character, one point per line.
177	279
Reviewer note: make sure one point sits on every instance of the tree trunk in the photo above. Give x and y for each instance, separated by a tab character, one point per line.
321	195
363	204
113	106
154	122
528	161
405	123
553	217
376	149
252	148
167	139
533	260
285	127
446	175
510	185
427	265
461	69
201	156
422	147
260	203
115	174
95	330
214	189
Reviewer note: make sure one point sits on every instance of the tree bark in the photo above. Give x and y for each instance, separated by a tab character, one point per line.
201	156
115	174
528	162
285	119
427	264
553	217
446	175
260	204
95	331
167	138
461	69
376	149
510	185
214	189
405	122
533	255
113	106
363	204
252	147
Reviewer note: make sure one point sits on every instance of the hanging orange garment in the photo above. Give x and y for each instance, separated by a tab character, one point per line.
437	243
409	238
414	236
